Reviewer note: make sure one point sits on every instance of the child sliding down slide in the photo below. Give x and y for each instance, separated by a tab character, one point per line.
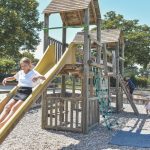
27	79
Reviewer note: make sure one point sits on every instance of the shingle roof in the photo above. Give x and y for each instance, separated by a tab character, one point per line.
66	5
107	36
72	11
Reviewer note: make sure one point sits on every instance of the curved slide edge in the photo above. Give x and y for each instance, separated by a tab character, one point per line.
67	58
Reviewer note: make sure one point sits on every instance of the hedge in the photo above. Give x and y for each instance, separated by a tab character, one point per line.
141	82
7	65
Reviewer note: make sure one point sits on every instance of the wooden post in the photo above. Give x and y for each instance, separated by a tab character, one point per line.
85	115
105	59
91	87
99	40
122	70
122	62
73	86
63	85
117	79
91	78
99	56
109	87
44	109
114	62
63	78
46	32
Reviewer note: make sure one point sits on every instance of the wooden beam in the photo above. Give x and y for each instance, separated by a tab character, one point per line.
94	12
99	40
121	58
73	86
63	78
93	98
64	36
44	110
105	59
64	33
79	14
114	62
46	32
64	19
99	56
119	102
96	65
122	67
95	41
117	76
122	55
85	114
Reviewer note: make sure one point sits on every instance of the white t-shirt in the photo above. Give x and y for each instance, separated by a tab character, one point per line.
25	80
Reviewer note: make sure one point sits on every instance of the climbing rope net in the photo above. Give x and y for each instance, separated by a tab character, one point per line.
104	101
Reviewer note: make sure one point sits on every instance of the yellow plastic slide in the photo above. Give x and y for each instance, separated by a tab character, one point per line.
49	69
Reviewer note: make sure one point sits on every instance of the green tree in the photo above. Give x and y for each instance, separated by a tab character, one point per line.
30	56
19	25
137	38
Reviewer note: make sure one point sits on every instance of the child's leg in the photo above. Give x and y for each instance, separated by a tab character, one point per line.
147	111
131	93
7	109
13	110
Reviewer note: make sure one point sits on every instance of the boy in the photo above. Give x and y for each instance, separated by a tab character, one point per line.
130	85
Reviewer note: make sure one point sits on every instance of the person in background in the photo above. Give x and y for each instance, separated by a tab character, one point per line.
129	84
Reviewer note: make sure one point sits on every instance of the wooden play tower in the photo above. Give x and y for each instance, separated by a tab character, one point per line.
73	112
112	59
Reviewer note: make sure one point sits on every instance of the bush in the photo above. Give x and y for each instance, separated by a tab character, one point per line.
7	65
142	82
138	81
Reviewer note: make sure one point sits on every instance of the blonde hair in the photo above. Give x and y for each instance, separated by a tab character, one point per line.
25	60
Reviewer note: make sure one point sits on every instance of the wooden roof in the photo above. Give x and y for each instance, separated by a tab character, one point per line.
107	36
72	11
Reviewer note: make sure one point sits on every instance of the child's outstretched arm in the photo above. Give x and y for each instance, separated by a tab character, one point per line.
38	77
7	79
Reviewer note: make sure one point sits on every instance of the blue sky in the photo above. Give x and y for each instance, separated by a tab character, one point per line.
130	9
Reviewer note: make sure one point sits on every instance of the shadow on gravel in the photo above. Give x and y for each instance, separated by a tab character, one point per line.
100	136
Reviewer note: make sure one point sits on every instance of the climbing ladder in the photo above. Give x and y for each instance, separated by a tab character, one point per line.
129	96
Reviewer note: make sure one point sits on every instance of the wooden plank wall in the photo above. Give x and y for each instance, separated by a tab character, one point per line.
93	112
70	108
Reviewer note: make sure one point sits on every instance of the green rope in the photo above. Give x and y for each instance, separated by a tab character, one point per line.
86	27
105	110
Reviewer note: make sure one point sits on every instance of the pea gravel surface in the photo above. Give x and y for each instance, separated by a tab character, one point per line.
28	135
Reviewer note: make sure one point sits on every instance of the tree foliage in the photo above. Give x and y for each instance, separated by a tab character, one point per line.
19	25
7	65
30	56
137	38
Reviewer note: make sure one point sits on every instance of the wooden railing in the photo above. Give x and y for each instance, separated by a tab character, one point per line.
58	47
64	113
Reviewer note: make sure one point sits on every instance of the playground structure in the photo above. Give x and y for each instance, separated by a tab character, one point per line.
74	113
80	61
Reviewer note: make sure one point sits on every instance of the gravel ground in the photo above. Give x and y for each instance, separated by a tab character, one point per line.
28	134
